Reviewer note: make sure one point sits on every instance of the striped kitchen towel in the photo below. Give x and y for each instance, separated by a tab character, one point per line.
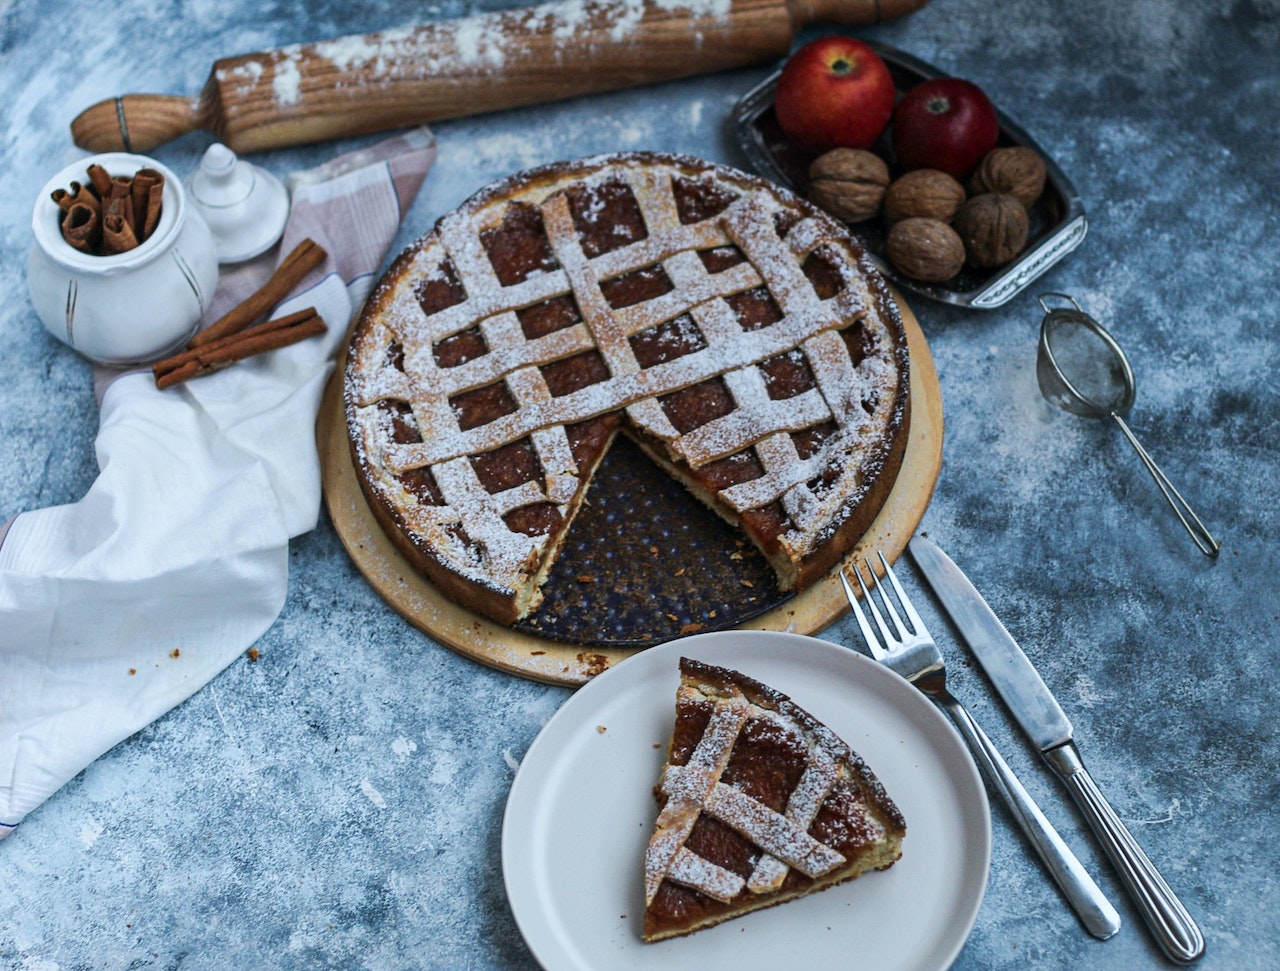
180	546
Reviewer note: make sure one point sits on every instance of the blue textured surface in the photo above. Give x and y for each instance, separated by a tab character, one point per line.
339	803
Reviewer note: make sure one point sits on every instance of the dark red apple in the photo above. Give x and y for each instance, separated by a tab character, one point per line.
946	124
834	92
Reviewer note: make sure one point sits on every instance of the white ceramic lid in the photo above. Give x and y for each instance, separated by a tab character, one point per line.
245	206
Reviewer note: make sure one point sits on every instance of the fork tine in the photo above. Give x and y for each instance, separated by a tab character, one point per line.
900	629
917	624
868	634
890	638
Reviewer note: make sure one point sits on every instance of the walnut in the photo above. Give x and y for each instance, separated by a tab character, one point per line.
926	193
1015	171
993	227
848	183
925	249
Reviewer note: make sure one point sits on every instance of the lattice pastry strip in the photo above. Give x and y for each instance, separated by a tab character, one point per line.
808	235
653	190
551	444
757	417
462	489
802	807
758	239
385	382
773	832
690	791
844	387
712	879
606	325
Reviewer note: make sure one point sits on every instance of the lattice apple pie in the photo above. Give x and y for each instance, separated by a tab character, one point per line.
761	803
737	334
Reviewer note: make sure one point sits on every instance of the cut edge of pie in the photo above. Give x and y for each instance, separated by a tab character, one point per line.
521	305
760	804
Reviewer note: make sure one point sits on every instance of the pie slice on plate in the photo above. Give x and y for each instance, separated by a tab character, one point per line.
760	804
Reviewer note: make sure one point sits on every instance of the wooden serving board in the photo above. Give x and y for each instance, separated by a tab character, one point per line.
542	659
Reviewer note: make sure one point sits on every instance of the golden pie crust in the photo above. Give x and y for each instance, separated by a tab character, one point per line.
740	336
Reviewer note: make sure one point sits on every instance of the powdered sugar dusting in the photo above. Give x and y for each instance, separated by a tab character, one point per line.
701	874
802	806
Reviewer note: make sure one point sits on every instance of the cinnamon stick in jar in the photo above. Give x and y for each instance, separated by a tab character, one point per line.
83	195
126	210
76	195
117	234
146	197
120	203
100	179
82	228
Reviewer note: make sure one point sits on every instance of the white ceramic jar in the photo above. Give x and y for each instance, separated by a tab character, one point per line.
132	307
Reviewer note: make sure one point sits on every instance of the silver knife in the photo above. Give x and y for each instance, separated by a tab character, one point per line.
1038	712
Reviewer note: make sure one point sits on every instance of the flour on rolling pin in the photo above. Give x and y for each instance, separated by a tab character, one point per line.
488	62
480	45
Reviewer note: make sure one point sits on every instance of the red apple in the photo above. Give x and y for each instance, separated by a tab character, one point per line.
834	92
946	124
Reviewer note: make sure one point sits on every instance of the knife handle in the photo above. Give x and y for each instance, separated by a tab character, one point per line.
1170	923
1086	897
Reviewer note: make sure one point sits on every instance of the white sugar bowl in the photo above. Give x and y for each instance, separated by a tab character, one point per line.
131	307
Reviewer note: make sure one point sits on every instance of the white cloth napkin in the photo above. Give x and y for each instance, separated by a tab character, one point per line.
116	608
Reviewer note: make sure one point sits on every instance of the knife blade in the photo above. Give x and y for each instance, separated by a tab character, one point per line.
1040	716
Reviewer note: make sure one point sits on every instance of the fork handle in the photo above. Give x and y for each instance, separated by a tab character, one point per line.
1170	923
1089	902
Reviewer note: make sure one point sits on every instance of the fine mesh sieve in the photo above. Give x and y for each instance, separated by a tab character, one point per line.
1082	369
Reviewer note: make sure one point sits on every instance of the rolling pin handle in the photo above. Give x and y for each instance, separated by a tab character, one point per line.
865	12
134	122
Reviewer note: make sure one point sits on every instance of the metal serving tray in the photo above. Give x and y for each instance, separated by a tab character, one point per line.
1058	223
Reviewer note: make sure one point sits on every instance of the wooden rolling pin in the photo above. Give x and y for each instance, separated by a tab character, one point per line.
413	75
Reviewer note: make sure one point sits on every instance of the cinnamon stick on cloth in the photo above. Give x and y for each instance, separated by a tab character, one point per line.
293	269
215	355
118	607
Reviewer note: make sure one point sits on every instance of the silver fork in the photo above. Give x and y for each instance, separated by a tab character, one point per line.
912	653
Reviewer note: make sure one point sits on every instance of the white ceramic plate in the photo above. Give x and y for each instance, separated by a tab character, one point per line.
581	809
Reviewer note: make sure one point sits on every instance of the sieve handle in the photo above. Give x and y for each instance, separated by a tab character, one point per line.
1186	515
